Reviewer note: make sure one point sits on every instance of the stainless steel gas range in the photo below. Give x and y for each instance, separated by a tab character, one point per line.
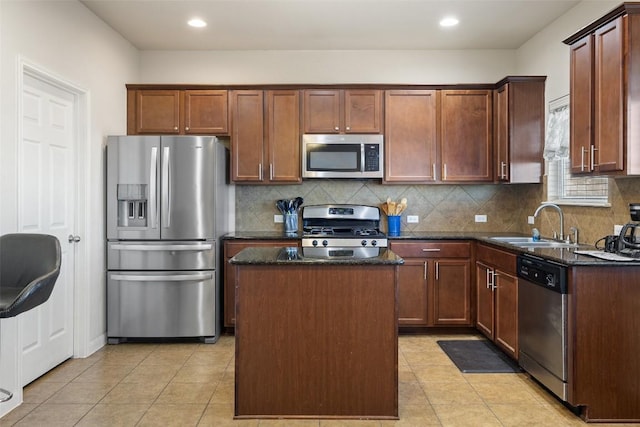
345	231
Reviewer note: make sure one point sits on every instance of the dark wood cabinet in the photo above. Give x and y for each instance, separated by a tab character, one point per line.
497	297
434	284
265	137
342	111
466	125
231	248
177	112
519	111
410	136
605	87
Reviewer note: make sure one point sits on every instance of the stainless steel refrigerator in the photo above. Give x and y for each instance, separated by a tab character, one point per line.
167	207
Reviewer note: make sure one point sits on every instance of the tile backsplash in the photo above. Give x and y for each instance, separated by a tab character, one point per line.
443	207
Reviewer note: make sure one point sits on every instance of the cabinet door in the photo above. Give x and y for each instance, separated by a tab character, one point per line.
484	300
157	112
232	248
283	136
451	300
412	292
205	112
506	312
466	135
609	96
362	111
581	98
247	140
501	133
322	111
410	141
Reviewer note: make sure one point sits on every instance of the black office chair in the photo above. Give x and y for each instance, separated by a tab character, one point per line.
29	267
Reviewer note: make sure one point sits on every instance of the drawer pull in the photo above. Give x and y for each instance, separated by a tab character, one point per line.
430	249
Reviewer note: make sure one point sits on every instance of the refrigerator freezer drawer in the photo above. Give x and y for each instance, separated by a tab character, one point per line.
156	304
168	256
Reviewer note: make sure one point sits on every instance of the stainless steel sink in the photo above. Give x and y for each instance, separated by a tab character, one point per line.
528	242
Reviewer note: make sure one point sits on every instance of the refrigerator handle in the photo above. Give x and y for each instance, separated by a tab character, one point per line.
153	188
166	191
162	277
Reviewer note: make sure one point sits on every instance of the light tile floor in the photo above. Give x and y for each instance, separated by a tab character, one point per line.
192	384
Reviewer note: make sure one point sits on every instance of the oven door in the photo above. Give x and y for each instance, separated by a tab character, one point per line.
340	252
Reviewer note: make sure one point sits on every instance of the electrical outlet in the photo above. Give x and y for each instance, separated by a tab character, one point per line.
412	219
481	218
531	219
617	229
278	218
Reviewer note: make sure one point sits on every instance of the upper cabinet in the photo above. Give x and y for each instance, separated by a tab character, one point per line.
177	112
410	136
265	136
605	91
519	130
342	111
466	128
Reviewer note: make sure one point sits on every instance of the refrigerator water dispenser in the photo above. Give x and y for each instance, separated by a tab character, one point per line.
132	205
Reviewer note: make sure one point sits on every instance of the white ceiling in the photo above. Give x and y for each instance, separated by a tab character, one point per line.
327	24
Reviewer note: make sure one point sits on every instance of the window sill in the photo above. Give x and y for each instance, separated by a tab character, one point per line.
587	203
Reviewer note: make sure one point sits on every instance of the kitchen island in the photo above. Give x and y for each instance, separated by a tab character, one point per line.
315	338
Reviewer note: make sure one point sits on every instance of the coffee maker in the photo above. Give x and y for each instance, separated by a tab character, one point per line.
628	241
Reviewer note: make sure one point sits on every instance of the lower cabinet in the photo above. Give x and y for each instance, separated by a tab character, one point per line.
497	297
231	248
434	284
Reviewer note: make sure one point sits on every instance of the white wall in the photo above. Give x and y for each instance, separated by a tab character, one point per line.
545	54
326	67
67	40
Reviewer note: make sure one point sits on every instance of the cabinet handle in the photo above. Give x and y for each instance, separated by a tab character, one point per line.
488	274
434	172
270	171
175	128
593	157
260	171
437	271
494	286
444	172
348	127
503	174
186	128
425	270
430	249
582	150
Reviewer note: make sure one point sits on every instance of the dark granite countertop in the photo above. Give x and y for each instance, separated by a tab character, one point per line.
261	235
295	256
566	256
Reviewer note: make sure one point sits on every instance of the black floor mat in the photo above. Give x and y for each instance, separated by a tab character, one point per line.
478	356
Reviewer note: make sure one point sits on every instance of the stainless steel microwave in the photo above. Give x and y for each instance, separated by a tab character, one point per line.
342	156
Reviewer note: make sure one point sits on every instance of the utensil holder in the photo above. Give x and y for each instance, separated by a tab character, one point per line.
291	223
393	228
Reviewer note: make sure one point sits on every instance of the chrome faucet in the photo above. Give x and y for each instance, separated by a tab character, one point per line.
557	208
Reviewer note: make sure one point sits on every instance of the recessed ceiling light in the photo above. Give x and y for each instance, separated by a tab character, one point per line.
197	23
449	21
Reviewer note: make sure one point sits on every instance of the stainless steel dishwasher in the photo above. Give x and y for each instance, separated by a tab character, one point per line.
542	322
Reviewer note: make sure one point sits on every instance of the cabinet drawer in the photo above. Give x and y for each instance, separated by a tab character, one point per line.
431	249
505	261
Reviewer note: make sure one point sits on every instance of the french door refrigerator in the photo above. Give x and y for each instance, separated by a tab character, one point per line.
167	207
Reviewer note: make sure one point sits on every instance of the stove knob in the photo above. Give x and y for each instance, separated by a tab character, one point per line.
374	243
363	243
325	243
314	243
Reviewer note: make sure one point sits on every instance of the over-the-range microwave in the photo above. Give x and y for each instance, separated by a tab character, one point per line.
342	156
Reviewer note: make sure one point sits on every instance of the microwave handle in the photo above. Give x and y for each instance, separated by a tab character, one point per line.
362	157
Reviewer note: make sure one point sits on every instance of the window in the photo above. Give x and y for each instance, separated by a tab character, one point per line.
562	187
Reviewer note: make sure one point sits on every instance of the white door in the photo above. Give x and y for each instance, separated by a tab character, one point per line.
46	205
